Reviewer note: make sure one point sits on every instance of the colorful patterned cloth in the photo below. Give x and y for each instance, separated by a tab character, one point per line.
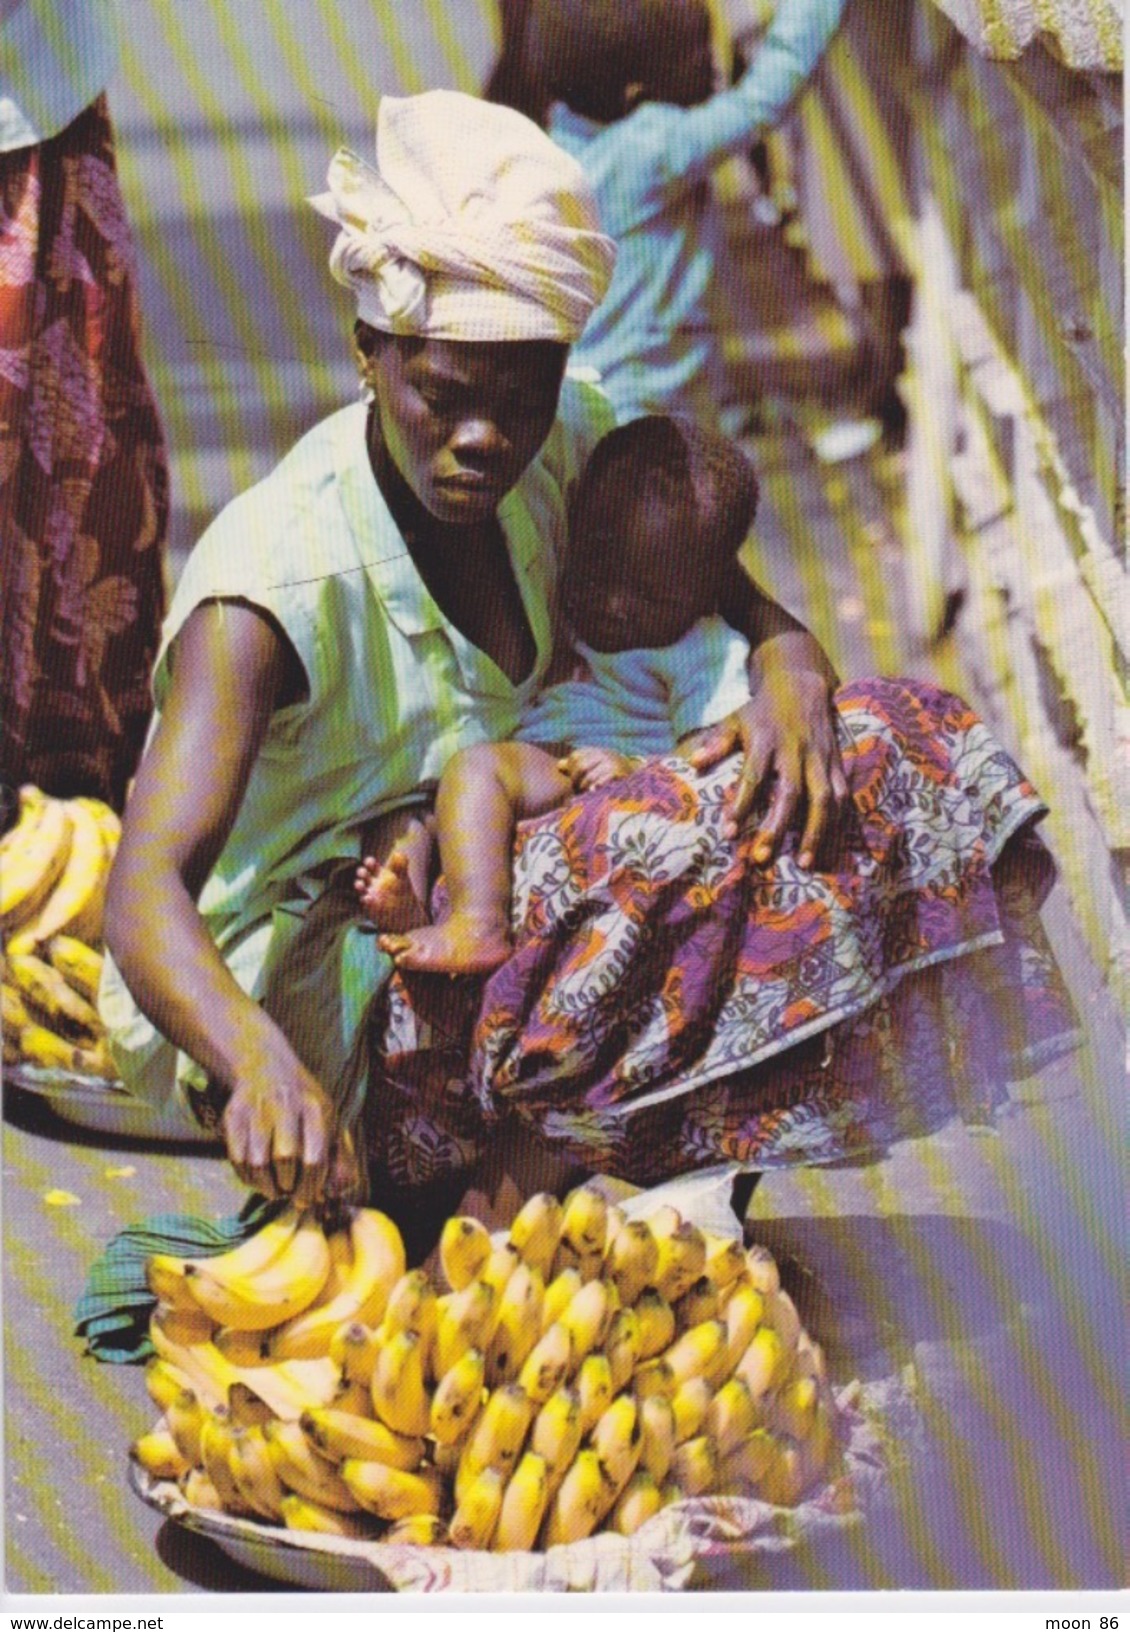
670	1006
83	475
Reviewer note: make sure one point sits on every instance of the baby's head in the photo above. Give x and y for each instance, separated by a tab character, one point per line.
604	57
661	511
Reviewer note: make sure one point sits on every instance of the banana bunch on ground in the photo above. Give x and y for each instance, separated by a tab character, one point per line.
54	863
575	1376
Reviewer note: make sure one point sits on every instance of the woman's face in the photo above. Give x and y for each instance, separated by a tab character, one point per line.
461	420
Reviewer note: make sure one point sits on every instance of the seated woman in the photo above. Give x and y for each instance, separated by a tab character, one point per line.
385	598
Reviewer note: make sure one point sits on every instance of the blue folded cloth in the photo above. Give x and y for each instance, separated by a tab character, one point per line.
113	1312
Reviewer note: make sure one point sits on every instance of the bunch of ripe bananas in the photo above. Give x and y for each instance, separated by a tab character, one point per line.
54	862
577	1377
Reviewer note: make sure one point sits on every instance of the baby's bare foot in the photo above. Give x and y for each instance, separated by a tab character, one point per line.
387	894
458	946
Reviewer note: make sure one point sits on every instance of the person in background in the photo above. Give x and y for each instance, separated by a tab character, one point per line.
83	472
632	84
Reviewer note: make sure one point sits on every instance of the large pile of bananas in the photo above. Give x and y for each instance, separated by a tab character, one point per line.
575	1378
54	863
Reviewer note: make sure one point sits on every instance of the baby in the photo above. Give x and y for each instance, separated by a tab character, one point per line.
661	512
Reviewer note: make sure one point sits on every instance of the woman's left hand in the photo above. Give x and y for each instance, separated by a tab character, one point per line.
787	736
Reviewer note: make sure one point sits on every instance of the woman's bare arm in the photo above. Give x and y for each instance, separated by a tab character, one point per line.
230	668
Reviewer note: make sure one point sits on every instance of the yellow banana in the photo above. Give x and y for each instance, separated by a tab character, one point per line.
793	1412
517	1326
249	1350
696	1352
694	1466
586	1320
199	1491
615	1220
473	1523
657	1436
765	1363
535	1232
558	1295
497	1268
622	1346
588	1265
32	857
75	901
78	963
302	1470
523	1506
400	1397
253	1303
639	1501
457	1398
391	1493
784	1482
158	1453
250	1464
682	1259
248	1408
378	1264
14	1014
107	818
746	1465
412	1308
664	1221
464	1247
593	1383
617	1440
547	1365
248	1258
184	1342
725	1259
339	1434
742	1316
653	1377
41	1046
700	1302
690	1403
300	1513
46	990
731	1416
762	1270
584	1221
418	1530
215	1456
355	1398
780	1313
184	1417
164	1383
556	1434
498	1436
582	1500
464	1320
630	1263
657	1323
353	1349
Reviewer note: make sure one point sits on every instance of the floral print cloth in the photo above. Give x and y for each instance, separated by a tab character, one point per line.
83	474
670	1006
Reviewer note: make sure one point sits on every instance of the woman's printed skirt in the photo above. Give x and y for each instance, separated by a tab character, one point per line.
670	1005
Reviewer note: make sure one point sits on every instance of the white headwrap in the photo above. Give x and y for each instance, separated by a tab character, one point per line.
473	226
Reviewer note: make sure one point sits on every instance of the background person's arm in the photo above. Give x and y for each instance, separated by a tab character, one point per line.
786	731
229	672
699	138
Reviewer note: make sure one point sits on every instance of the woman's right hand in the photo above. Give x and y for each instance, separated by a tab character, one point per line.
282	1139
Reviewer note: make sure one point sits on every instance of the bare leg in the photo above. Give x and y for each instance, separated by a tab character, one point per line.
394	893
482	794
